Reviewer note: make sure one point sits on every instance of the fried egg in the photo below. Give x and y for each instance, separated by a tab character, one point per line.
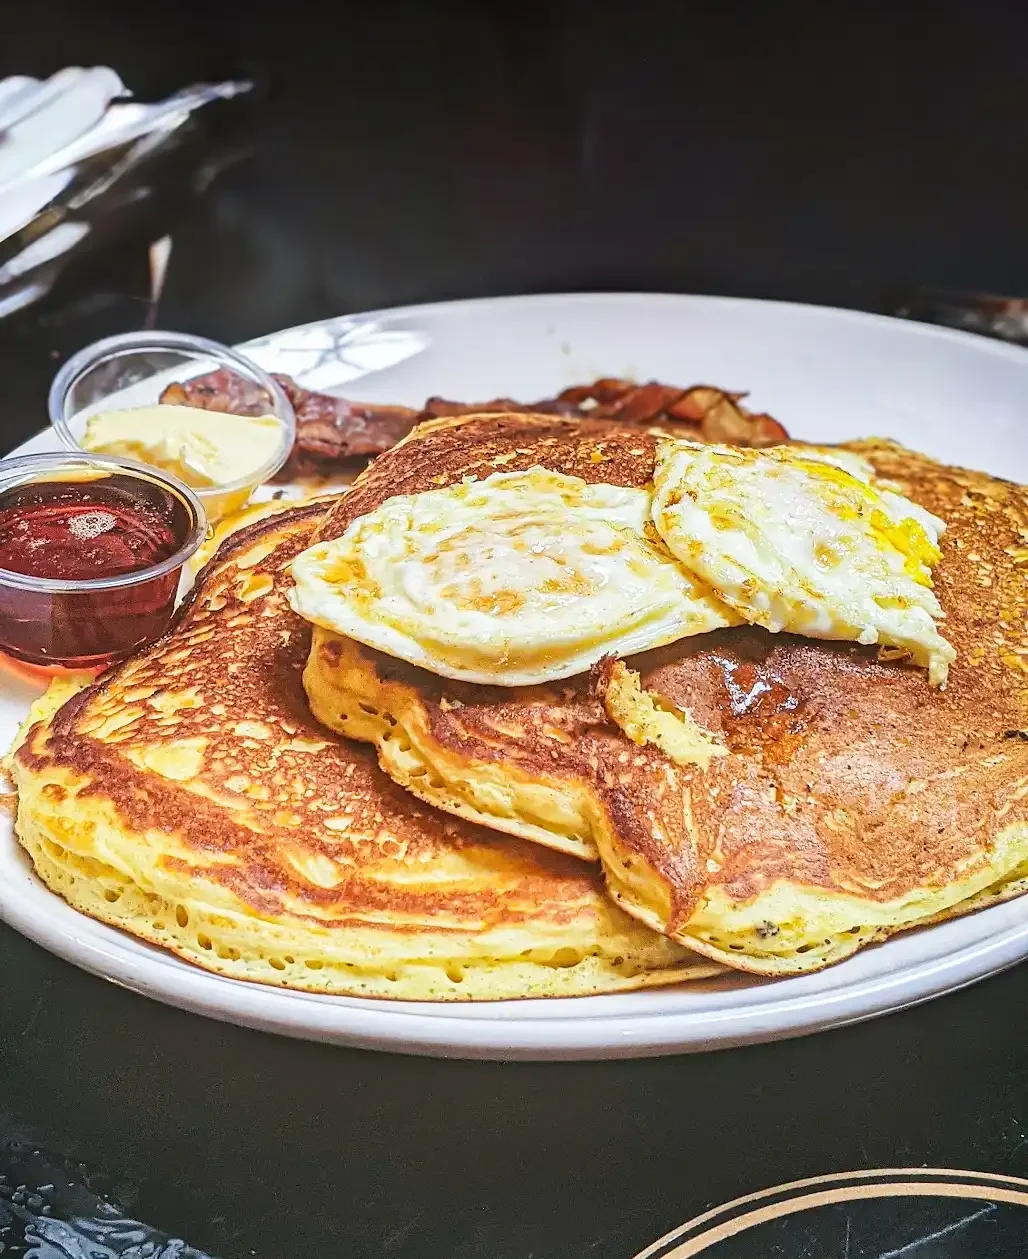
805	542
520	578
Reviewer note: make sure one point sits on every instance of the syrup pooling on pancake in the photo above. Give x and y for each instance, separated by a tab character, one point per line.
519	578
796	541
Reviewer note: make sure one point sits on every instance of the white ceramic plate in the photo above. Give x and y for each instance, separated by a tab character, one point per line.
826	374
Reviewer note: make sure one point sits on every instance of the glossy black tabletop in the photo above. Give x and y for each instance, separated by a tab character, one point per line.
400	152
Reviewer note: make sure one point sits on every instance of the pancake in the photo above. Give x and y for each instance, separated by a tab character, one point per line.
855	799
189	798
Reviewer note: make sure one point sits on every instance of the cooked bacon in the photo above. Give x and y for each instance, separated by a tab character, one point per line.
719	415
218	391
331	431
436	408
328	430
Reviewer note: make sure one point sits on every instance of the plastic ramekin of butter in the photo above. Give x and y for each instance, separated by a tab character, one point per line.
187	406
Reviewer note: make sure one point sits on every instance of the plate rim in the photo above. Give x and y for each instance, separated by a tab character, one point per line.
844	314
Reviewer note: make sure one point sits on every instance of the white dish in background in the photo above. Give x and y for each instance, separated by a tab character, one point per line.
826	374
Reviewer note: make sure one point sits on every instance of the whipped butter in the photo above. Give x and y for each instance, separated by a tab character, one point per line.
202	448
205	449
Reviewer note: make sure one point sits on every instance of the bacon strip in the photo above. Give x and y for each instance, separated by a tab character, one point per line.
333	431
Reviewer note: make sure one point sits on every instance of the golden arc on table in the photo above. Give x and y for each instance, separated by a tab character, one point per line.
189	798
855	800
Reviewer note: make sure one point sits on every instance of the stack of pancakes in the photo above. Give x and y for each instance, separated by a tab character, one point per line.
217	793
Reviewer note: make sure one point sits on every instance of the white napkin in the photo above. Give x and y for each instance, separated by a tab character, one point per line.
48	128
40	120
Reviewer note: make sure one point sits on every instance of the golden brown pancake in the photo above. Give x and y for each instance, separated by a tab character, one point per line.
189	798
855	800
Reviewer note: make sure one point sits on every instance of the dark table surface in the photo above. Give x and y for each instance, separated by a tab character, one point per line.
401	152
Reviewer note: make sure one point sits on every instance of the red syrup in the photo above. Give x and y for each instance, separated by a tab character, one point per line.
75	531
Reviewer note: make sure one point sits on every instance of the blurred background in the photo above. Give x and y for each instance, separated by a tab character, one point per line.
397	152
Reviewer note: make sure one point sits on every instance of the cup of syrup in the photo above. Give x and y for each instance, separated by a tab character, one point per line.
91	555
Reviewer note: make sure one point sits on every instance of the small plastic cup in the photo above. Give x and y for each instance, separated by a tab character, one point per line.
86	623
134	368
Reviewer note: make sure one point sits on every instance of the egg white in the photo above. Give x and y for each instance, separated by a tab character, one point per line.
805	542
520	578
